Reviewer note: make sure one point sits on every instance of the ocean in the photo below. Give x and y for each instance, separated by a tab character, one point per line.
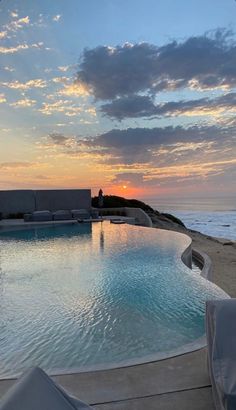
211	216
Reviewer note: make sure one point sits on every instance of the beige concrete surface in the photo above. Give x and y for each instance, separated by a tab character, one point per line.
197	399
183	372
186	372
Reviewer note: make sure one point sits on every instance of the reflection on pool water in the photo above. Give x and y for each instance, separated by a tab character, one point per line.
95	294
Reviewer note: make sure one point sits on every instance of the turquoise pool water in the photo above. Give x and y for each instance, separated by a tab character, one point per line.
94	295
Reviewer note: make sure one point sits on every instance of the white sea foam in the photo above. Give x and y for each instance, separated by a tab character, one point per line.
211	216
218	224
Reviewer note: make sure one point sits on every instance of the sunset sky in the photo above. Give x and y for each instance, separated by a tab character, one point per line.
137	97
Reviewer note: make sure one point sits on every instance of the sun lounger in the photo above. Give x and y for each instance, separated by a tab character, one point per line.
62	215
94	214
35	390
80	214
28	217
39	216
221	340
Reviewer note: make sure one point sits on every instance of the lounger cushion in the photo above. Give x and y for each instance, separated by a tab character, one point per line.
61	215
95	213
35	390
39	216
28	217
80	213
221	339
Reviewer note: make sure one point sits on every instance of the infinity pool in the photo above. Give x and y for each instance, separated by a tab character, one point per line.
96	295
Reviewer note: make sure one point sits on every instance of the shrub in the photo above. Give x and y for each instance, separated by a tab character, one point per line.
174	219
113	201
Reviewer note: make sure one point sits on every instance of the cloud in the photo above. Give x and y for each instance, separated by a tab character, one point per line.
14	14
203	62
26	102
149	158
61	106
74	90
48	70
134	178
136	106
43	177
141	137
164	145
3	34
10	69
57	17
146	147
133	106
66	107
2	98
5	129
12	50
40	46
70	146
203	169
17	85
14	165
59	80
15	25
155	142
58	139
176	176
64	68
22	47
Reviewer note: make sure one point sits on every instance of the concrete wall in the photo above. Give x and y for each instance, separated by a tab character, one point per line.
23	201
138	214
205	262
53	200
141	216
187	256
17	201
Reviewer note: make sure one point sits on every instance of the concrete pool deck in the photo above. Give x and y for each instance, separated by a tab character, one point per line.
177	383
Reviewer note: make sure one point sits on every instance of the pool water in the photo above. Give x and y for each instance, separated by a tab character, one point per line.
95	295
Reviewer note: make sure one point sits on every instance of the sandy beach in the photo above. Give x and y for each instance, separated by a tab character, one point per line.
222	253
223	256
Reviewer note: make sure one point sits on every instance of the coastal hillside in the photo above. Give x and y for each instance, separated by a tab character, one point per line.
159	219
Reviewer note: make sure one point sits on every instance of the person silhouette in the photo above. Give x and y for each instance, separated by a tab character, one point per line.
100	198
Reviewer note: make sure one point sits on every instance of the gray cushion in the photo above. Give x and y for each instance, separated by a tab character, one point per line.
35	390
28	217
95	213
39	216
61	215
221	340
80	213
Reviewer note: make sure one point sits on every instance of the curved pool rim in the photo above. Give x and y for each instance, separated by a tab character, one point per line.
188	254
